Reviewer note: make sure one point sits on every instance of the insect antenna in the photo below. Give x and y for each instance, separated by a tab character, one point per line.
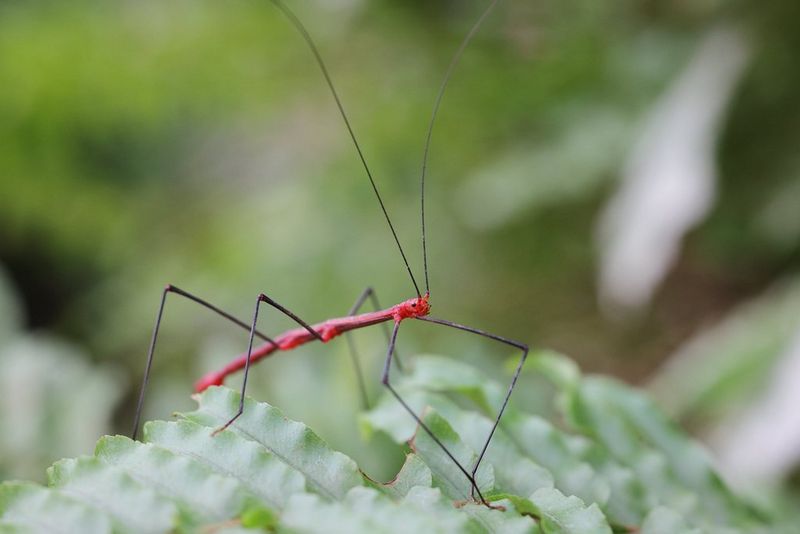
310	42
448	74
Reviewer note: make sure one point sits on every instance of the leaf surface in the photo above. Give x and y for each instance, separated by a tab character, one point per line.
608	458
328	472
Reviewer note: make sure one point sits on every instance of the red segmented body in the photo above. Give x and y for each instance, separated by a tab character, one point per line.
411	308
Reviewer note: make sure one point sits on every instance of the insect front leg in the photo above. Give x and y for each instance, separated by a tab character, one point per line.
151	349
521	346
385	380
262	298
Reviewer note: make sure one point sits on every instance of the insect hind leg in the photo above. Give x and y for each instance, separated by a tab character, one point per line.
154	338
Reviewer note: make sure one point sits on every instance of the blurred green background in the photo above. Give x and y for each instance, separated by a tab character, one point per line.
194	143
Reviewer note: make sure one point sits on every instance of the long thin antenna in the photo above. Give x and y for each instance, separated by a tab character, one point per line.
302	29
447	76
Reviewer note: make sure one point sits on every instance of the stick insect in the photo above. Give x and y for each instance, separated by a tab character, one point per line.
417	307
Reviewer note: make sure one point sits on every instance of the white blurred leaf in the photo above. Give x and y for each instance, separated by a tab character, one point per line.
763	442
669	180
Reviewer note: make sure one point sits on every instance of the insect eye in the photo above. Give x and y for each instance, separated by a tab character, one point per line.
413	304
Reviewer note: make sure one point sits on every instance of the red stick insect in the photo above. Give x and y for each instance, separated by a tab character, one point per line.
417	307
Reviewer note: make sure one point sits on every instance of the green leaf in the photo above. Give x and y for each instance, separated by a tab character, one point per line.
367	510
259	517
437	373
514	472
506	521
232	456
554	450
446	474
567	515
674	469
413	473
132	506
204	496
559	369
662	520
27	507
430	374
327	471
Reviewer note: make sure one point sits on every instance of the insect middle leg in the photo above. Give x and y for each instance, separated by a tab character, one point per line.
154	338
262	298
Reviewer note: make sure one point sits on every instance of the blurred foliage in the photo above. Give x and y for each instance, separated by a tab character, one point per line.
194	143
53	400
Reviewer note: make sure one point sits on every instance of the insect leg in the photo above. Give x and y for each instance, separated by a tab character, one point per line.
385	381
521	346
385	327
368	293
151	350
262	298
